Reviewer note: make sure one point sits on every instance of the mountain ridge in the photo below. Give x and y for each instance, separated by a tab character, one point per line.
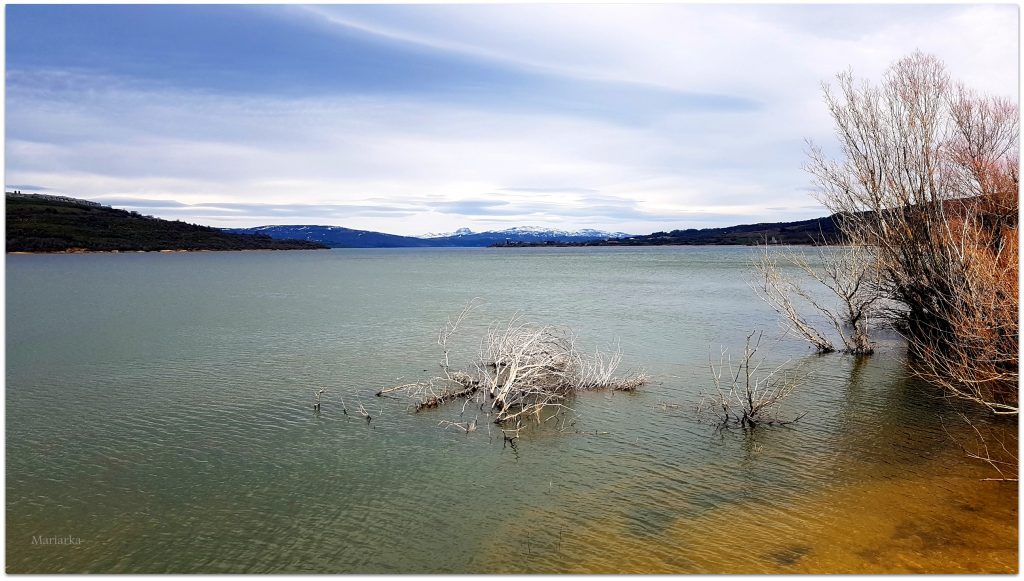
341	237
532	231
814	231
37	222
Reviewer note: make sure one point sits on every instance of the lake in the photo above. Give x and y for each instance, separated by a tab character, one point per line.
159	412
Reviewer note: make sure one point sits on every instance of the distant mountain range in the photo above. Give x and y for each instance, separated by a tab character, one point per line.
338	237
41	223
815	231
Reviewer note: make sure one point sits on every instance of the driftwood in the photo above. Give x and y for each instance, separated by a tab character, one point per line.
466	427
523	369
434	401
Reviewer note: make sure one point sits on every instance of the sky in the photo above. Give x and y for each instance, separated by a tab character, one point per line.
410	119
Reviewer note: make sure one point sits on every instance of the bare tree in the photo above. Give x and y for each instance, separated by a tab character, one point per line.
849	273
928	177
972	351
778	291
743	397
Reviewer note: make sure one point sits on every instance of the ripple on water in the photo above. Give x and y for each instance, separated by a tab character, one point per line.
178	436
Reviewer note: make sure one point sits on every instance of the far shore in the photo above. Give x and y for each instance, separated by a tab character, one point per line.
493	246
164	251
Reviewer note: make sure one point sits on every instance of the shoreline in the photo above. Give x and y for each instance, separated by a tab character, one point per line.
493	246
589	245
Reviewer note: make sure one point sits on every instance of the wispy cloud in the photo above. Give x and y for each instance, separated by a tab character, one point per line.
444	162
736	49
425	118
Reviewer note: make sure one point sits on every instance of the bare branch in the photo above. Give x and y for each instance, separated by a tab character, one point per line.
748	399
849	273
928	178
523	369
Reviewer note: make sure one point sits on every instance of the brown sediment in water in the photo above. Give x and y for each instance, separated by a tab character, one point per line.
937	524
941	519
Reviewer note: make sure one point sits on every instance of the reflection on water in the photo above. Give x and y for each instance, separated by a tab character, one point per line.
159	408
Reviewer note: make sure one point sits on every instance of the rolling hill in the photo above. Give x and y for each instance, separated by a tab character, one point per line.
41	223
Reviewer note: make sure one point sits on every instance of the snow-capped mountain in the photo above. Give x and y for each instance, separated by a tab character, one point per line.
534	232
459	232
339	237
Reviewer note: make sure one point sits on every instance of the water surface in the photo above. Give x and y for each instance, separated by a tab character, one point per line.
159	409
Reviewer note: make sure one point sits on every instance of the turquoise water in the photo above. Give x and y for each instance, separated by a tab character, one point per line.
159	410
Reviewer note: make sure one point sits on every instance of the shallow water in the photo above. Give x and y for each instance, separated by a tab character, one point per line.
159	409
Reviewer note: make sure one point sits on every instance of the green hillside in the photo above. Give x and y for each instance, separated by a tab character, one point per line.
38	223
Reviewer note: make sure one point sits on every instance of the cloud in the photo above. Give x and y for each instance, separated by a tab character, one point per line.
552	190
97	138
29	187
273	213
717	49
142	203
621	117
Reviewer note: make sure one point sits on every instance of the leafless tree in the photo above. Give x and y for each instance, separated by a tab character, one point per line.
849	273
928	178
743	396
779	292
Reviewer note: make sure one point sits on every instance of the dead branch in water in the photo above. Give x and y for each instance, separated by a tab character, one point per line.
850	273
743	397
449	329
316	398
466	427
396	388
364	413
1002	461
436	400
522	369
